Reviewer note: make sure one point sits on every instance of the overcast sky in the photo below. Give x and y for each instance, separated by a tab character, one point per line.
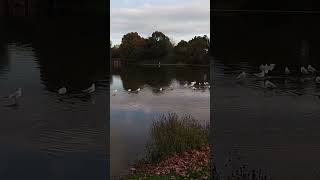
178	19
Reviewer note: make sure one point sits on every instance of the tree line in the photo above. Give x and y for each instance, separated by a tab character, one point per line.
158	47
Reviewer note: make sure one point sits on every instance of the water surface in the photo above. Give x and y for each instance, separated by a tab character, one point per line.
133	112
258	131
47	135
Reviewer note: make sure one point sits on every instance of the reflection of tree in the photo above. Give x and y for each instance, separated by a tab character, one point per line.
67	54
4	60
134	77
265	5
260	39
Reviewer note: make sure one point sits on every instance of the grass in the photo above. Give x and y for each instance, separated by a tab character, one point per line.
171	134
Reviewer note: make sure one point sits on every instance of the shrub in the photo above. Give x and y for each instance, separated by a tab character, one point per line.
171	134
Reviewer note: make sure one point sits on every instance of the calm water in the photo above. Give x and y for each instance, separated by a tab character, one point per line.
132	113
52	136
272	133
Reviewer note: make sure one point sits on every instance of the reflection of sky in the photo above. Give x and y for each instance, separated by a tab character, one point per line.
133	113
116	82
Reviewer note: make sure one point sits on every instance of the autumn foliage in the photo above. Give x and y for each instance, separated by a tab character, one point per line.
158	47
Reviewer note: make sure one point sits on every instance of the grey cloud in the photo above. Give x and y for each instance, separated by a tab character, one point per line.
177	21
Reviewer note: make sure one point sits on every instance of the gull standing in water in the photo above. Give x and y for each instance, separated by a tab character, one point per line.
62	90
15	95
91	89
129	90
271	67
193	83
269	84
138	89
304	70
311	69
114	92
286	70
242	75
262	67
160	89
261	74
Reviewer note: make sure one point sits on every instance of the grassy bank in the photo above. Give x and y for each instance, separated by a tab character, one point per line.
177	149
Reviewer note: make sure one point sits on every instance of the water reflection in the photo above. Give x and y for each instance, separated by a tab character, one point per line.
133	112
4	59
273	132
60	135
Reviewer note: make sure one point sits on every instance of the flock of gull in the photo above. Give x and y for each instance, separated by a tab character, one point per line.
265	69
14	97
193	85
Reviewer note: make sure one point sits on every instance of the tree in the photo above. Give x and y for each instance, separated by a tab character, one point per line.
132	46
181	51
158	46
198	50
115	53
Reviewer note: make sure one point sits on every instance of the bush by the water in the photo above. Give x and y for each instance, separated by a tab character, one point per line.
171	134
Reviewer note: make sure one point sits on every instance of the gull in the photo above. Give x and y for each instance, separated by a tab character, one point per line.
271	67
62	90
295	92
160	89
269	84
129	90
91	89
241	75
318	79
186	85
15	95
114	92
304	70
311	69
138	89
286	70
262	67
199	84
193	83
261	74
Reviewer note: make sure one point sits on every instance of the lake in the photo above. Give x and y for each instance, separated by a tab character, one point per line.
47	135
263	133
133	112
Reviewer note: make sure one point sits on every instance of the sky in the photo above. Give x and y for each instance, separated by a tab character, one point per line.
178	19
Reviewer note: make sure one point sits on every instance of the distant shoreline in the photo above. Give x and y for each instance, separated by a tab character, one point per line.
202	65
